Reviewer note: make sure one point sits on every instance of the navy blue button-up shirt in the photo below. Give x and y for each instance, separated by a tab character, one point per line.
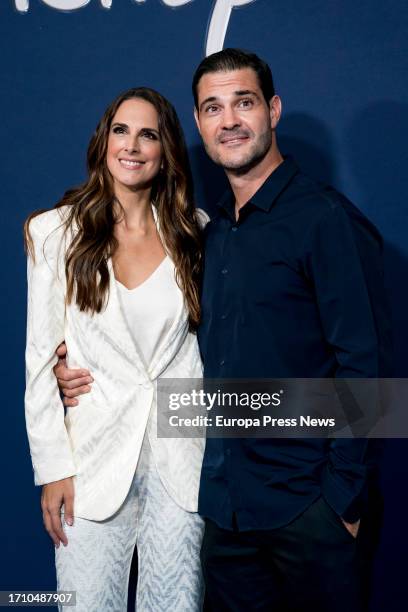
293	289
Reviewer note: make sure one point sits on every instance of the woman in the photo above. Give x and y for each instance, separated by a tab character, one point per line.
114	270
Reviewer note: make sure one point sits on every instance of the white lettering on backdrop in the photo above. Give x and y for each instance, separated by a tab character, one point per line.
217	27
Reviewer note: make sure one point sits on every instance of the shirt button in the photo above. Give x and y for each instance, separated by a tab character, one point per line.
223	316
234	229
222	362
224	271
228	452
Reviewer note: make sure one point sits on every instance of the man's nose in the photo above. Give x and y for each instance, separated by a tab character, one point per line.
230	119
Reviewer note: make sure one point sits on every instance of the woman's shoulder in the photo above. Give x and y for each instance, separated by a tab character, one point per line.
49	222
47	234
202	217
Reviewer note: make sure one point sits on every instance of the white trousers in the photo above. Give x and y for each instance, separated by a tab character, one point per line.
96	562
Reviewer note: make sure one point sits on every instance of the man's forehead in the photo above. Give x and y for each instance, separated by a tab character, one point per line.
223	83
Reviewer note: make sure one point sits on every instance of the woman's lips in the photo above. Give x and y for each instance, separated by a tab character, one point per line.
131	164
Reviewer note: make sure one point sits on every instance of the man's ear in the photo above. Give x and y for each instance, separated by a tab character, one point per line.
275	110
197	120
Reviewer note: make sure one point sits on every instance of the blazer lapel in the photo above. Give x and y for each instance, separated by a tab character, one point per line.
180	327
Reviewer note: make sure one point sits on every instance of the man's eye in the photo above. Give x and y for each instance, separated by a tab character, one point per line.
245	103
211	109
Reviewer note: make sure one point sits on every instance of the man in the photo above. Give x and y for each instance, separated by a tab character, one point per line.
292	288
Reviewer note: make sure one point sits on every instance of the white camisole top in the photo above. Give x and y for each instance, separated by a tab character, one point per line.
151	309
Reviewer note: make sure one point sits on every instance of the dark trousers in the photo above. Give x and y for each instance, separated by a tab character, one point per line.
313	563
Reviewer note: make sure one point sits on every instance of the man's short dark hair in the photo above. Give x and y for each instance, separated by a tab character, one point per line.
235	59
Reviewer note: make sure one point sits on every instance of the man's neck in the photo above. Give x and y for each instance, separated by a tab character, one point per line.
244	186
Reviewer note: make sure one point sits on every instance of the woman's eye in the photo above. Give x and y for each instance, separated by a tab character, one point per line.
149	135
118	130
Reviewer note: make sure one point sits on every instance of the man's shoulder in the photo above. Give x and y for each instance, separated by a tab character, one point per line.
318	196
322	201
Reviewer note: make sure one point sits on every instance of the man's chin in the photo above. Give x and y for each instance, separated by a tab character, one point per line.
239	166
237	163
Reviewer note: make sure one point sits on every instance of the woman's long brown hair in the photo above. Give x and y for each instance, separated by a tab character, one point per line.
92	213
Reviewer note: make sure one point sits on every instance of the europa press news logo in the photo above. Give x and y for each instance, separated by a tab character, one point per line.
217	27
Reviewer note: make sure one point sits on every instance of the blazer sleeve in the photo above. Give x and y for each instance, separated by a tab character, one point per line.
48	438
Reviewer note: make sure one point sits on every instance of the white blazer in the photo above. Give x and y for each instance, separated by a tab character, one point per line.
99	441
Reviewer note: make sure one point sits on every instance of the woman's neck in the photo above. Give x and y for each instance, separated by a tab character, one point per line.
135	212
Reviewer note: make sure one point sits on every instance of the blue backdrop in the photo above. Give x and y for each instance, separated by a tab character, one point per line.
340	67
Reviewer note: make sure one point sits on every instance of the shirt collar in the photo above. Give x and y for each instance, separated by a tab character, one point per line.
269	191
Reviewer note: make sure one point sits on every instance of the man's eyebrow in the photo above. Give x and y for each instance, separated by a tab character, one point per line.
239	92
207	100
246	92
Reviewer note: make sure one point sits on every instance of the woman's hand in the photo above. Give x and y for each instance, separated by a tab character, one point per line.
54	495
